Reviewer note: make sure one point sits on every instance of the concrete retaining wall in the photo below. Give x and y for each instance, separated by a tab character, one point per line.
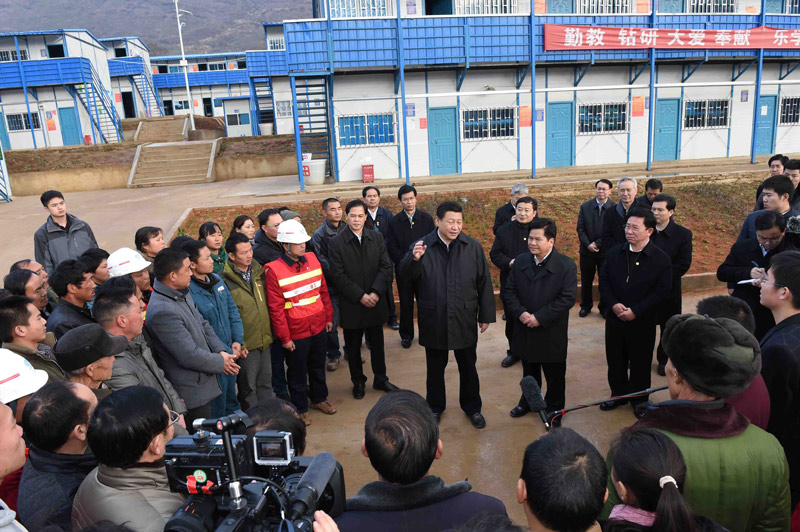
69	180
206	134
226	168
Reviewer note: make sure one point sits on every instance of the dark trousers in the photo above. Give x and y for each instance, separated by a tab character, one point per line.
352	346
226	403
589	265
277	358
406	292
668	308
307	364
510	324
332	349
555	373
469	393
389	297
631	343
198	412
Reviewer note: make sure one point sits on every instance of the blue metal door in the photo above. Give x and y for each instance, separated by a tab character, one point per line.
70	133
4	134
443	140
560	6
767	123
560	134
667	127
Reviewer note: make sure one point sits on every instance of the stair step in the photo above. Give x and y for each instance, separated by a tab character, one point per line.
168	175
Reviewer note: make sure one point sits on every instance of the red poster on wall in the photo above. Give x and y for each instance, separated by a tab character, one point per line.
118	98
51	124
637	106
525	116
423	123
561	37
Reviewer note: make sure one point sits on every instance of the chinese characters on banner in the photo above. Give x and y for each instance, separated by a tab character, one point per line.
560	37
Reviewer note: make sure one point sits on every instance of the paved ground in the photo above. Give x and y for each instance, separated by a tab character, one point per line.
490	458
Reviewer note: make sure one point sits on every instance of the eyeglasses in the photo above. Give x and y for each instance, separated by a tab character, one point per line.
632	228
773	240
174	417
764	281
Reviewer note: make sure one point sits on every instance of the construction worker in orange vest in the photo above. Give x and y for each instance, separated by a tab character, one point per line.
301	313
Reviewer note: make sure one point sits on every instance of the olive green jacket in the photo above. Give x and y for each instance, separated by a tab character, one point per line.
251	299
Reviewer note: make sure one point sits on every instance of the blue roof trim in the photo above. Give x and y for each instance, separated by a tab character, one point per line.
52	32
215	77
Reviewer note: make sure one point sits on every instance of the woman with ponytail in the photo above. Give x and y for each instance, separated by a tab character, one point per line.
648	472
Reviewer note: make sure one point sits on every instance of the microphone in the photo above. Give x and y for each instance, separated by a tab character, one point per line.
311	485
532	394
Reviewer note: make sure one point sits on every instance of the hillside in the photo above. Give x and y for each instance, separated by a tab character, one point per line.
216	26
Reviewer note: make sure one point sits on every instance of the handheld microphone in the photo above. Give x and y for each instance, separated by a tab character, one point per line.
311	485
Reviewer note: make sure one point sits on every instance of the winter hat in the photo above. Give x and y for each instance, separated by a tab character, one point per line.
287	214
717	357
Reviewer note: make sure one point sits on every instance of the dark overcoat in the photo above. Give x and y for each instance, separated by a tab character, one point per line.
455	291
357	269
548	292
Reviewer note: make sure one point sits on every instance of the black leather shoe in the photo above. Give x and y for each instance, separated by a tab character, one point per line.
385	386
662	370
584	312
359	390
437	416
611	404
509	361
394	325
405	342
477	420
519	411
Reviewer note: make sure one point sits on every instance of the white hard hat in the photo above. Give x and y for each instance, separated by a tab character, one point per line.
125	261
292	232
17	377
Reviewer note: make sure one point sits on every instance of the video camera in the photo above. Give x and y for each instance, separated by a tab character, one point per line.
236	482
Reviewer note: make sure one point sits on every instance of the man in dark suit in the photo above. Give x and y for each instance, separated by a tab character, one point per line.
777	195
590	234
780	356
455	301
510	241
361	270
633	280
749	259
378	219
676	241
405	228
506	212
652	188
539	293
616	218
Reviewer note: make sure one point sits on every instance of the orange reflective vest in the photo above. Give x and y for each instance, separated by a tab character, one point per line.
297	298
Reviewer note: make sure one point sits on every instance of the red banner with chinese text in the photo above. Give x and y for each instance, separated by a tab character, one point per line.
561	37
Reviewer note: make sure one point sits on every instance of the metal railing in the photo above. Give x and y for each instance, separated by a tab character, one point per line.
361	8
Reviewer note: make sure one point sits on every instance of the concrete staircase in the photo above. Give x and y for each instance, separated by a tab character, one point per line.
172	129
173	163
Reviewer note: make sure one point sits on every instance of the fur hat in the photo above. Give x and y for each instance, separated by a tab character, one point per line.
717	357
289	215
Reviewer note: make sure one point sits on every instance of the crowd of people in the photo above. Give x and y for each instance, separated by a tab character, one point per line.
106	356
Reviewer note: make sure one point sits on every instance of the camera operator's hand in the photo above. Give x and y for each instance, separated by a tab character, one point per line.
289	346
324	523
231	367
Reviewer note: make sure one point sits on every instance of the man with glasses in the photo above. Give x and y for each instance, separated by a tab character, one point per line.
780	355
266	247
633	281
38	269
748	259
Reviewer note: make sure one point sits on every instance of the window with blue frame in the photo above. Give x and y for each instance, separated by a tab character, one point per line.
706	114
20	122
596	118
491	123
175	70
790	110
367	130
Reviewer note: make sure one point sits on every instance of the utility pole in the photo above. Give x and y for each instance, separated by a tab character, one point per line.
185	63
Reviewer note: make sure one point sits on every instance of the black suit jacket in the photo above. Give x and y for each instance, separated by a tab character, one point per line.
510	241
780	359
402	233
737	268
548	292
590	225
503	216
676	241
381	221
614	226
359	268
643	289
